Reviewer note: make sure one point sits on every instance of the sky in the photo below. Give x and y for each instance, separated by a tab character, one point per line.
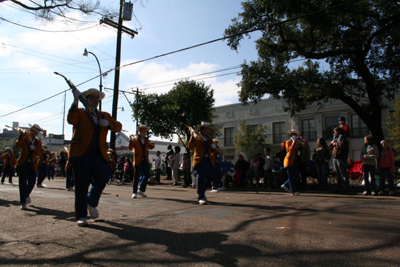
29	58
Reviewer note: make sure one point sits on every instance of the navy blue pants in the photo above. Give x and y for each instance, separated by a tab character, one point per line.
90	170
142	174
42	169
8	171
27	180
206	174
70	178
50	172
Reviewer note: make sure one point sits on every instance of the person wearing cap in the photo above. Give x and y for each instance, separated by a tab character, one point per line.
140	145
28	161
88	152
340	153
346	130
203	162
292	151
8	165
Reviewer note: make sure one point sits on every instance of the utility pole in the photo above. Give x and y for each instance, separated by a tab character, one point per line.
118	58
117	65
137	114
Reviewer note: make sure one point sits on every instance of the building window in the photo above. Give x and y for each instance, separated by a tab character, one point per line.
358	128
279	133
308	129
330	124
228	136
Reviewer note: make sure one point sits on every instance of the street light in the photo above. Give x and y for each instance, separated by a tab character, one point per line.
85	54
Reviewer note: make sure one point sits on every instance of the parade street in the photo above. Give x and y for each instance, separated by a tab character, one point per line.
169	228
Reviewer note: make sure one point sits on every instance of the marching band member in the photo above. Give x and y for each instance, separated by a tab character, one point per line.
9	165
28	161
202	162
51	166
42	168
141	145
88	152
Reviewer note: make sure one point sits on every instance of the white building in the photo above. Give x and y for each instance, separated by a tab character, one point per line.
312	123
122	143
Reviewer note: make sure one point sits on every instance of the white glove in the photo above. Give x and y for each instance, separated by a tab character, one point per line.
76	94
103	123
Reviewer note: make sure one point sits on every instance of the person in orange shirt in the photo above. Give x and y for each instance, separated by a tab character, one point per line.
9	165
88	152
140	145
28	161
289	163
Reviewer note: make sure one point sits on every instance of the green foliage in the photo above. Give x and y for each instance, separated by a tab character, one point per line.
248	142
188	103
359	42
393	123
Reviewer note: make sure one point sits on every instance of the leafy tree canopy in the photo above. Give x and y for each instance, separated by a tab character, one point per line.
249	142
359	40
187	104
393	123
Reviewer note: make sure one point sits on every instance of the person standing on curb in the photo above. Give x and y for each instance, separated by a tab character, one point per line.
339	155
140	145
30	157
88	152
369	154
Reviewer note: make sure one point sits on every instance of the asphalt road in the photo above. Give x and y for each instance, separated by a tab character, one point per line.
170	228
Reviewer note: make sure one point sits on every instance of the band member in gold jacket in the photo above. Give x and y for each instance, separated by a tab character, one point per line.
28	161
8	165
203	159
88	153
140	145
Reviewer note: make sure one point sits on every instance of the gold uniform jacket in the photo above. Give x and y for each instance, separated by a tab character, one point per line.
84	129
7	160
198	146
136	145
35	156
290	153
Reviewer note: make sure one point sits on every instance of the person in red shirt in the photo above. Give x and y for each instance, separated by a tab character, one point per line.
344	126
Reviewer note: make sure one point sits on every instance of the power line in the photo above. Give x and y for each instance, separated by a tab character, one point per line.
187	48
33	28
41	53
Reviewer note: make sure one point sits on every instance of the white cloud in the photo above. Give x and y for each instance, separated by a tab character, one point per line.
159	78
32	63
68	42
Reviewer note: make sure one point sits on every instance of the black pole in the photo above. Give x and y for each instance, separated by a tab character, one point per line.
116	79
101	79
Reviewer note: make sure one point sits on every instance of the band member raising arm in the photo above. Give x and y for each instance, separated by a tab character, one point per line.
88	152
140	145
28	161
202	162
